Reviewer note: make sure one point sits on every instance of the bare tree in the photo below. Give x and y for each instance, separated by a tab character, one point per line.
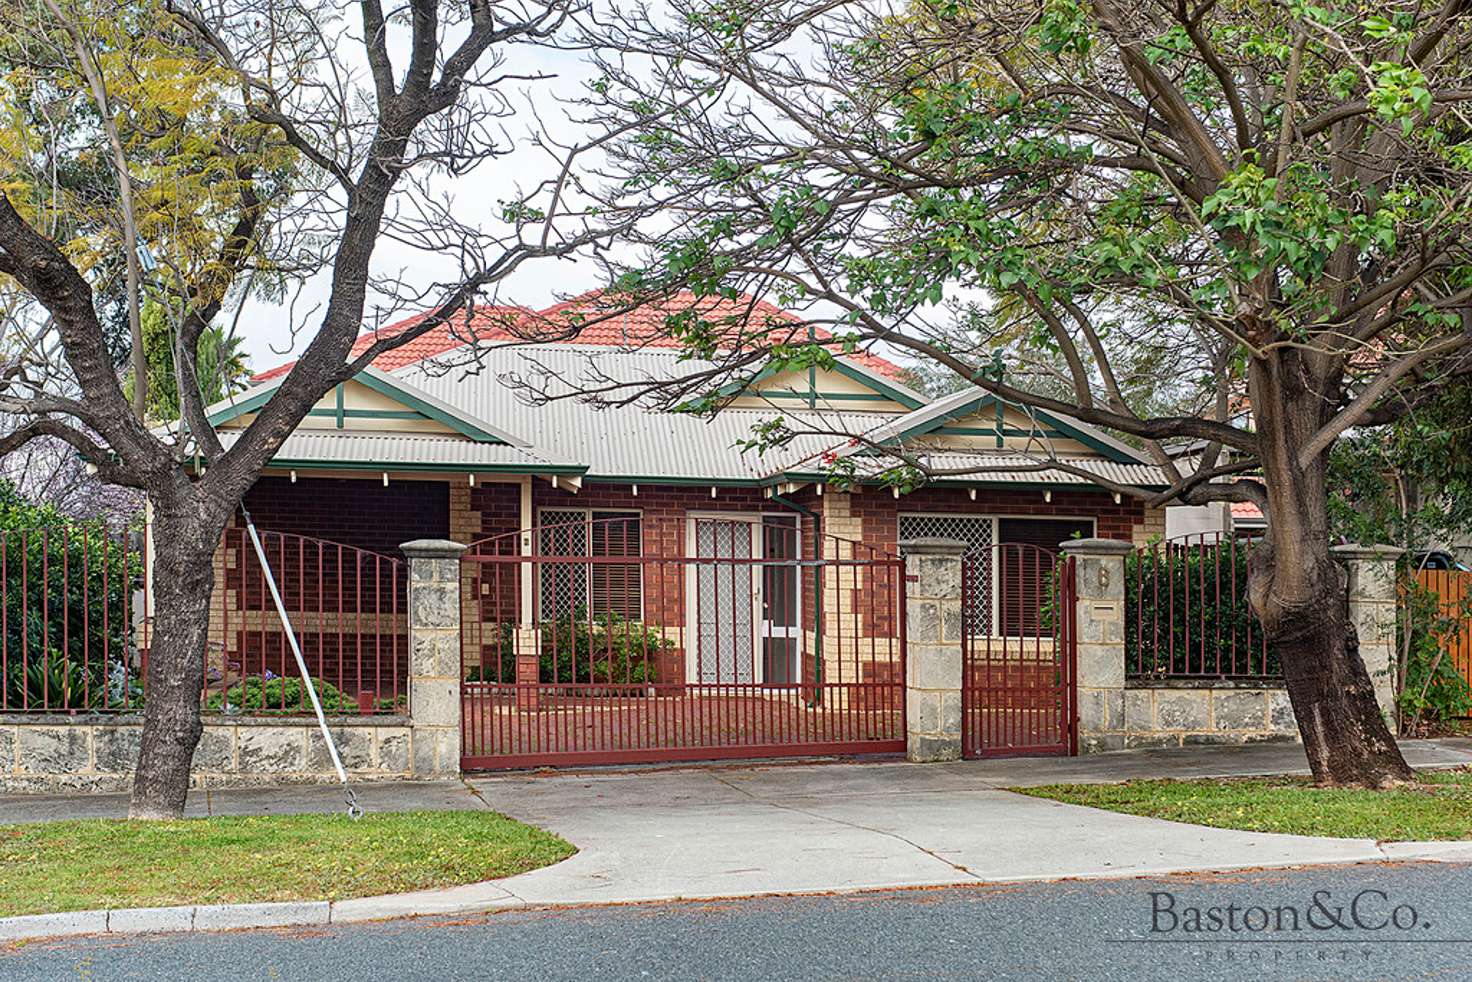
1261	211
322	135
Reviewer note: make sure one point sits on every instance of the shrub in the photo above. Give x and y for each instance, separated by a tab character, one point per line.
1186	613
608	649
281	695
1433	690
67	628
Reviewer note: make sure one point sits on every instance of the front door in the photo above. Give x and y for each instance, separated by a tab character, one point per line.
725	587
746	611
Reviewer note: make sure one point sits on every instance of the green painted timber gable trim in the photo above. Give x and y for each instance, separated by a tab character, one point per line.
878	385
456	423
881	390
242	407
820	397
417	409
340	414
991	431
1056	427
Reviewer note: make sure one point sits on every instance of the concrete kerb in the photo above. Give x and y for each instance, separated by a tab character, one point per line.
488	898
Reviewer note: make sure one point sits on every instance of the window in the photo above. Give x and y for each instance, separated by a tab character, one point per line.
1025	576
1008	587
591	589
978	532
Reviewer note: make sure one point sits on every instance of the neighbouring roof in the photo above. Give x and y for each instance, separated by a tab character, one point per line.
1246	511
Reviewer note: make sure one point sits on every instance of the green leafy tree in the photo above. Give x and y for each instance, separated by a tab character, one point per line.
1270	204
199	154
1410	484
219	367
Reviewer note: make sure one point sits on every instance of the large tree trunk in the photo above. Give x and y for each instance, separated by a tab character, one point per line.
1301	595
182	582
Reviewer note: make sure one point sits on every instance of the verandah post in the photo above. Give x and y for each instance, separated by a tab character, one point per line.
933	626
434	656
1099	627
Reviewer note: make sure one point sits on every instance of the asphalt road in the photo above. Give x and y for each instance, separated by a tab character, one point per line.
1361	922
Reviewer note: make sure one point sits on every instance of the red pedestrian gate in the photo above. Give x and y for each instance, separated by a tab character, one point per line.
626	640
1019	653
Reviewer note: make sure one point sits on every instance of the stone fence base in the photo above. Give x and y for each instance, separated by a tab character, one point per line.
1185	714
41	754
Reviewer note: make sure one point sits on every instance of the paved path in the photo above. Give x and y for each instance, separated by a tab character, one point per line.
651	834
1095	930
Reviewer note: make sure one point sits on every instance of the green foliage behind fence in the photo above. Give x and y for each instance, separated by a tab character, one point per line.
66	614
1186	614
607	648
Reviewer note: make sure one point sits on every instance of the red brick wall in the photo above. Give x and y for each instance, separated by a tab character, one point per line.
356	512
880	510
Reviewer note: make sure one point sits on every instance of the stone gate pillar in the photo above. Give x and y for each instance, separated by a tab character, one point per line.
434	656
1099	628
933	626
1372	606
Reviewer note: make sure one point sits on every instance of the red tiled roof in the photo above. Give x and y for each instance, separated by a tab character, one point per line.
487	322
1246	509
642	327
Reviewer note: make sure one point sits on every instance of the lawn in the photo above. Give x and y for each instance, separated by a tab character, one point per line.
1440	807
106	863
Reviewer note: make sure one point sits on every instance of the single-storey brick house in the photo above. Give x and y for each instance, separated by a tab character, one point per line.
623	528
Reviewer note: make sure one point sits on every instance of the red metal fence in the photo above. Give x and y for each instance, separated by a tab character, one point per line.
348	607
75	624
70	599
597	641
1186	611
1018	652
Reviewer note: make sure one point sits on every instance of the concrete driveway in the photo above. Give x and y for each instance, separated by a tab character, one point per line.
733	831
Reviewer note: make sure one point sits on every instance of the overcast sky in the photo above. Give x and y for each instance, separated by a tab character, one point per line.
266	327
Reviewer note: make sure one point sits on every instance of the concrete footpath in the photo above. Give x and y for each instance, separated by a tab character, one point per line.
742	830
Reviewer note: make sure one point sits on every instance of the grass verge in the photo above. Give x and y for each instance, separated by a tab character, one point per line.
105	863
1439	807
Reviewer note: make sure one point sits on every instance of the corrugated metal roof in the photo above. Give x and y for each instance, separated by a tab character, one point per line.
1015	468
625	442
635	442
404	451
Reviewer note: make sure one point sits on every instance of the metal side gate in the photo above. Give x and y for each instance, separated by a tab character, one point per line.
631	639
1019	654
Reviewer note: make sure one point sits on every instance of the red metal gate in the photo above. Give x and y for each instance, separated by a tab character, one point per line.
1019	652
624	640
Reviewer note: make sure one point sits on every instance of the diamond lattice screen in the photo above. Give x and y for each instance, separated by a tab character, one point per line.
564	585
977	534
